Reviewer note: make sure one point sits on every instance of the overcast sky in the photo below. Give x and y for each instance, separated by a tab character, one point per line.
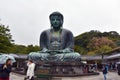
28	18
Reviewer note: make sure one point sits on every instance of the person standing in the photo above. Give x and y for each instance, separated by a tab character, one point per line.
118	68
105	71
30	70
5	70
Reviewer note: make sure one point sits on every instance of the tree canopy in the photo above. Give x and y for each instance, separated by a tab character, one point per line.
5	39
96	42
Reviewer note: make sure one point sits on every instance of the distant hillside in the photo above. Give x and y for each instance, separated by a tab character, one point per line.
96	42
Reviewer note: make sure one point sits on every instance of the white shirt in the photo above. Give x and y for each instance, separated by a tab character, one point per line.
30	71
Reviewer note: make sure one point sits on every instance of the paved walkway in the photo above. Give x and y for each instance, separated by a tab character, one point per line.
14	76
110	76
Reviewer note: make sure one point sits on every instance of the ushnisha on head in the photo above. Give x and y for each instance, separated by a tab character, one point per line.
56	20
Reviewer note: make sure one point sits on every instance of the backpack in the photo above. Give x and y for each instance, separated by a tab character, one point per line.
105	70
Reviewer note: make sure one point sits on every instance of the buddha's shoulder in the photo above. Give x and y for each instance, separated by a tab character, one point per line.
66	30
46	31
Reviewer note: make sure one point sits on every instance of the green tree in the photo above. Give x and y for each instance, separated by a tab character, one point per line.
21	49
100	45
91	53
94	40
104	49
5	39
31	48
79	49
18	49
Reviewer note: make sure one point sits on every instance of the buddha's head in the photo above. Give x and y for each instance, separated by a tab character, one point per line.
56	20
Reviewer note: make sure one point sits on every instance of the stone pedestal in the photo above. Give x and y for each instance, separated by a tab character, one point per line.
51	70
59	69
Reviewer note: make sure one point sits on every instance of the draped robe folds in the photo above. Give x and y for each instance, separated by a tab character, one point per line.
64	40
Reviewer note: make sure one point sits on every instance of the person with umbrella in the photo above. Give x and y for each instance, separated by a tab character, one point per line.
5	57
5	70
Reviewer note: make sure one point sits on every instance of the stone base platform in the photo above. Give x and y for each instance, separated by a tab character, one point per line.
66	69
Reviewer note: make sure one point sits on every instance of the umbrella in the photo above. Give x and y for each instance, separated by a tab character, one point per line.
4	57
14	55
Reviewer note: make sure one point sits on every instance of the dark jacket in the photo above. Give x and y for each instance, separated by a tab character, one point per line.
4	73
105	70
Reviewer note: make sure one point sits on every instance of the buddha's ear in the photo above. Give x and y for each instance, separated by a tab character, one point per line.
61	22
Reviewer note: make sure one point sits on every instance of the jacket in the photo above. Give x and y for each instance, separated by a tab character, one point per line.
4	73
105	70
30	71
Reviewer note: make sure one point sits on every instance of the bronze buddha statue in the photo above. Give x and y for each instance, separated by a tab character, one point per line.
57	43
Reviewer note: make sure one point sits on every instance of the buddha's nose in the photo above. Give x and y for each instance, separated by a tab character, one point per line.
55	21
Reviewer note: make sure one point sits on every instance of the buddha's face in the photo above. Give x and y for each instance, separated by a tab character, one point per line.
56	22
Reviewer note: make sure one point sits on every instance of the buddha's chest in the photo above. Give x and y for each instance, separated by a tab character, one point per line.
55	37
55	41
